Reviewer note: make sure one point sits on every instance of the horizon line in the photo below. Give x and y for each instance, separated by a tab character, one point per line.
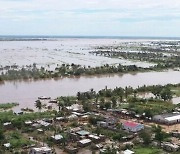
90	36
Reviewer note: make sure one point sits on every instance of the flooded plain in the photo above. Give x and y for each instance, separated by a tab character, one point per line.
26	92
49	53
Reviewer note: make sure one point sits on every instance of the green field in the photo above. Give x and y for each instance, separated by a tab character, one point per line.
176	90
147	150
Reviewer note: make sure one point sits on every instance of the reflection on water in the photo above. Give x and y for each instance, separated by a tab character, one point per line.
26	92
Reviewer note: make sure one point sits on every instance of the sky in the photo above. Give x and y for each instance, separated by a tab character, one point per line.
90	17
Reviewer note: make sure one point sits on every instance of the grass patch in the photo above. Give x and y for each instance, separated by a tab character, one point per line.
16	139
155	106
147	150
176	91
8	105
10	116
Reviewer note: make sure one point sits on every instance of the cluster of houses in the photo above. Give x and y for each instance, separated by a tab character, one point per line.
79	137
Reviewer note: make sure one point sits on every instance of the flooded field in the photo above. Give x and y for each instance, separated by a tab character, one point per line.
26	92
49	53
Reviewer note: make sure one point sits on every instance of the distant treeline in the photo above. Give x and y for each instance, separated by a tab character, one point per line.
155	56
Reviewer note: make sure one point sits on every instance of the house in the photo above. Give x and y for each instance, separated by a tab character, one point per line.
99	146
175	134
83	133
73	117
7	125
36	125
60	119
77	113
170	147
96	139
41	150
74	137
71	149
84	118
111	120
168	119
7	145
84	142
102	124
28	123
75	107
75	129
132	126
127	152
57	138
44	123
40	130
18	112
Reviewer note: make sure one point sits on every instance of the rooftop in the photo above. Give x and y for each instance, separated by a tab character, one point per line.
83	133
57	137
94	136
176	117
128	152
44	149
85	141
7	145
131	124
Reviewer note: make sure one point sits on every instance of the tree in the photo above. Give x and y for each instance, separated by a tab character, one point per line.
148	112
60	105
86	106
166	94
1	135
107	105
114	101
135	94
102	102
157	90
117	136
38	105
159	134
146	136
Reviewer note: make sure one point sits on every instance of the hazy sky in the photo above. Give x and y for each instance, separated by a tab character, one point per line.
90	17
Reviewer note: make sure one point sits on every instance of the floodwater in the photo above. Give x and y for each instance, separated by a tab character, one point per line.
26	92
52	52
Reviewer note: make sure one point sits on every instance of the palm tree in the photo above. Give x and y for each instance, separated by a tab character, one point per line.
60	105
38	105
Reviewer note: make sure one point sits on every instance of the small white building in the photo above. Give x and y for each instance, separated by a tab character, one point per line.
57	138
127	152
84	142
7	145
41	150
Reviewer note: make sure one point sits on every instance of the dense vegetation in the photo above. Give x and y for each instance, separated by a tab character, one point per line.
115	98
8	105
66	70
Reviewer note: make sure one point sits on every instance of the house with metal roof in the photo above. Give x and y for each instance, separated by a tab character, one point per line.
82	133
84	142
169	119
41	150
132	126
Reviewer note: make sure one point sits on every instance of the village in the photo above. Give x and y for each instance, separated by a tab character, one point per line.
93	123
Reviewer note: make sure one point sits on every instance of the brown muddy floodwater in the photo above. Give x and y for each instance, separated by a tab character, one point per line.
26	92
